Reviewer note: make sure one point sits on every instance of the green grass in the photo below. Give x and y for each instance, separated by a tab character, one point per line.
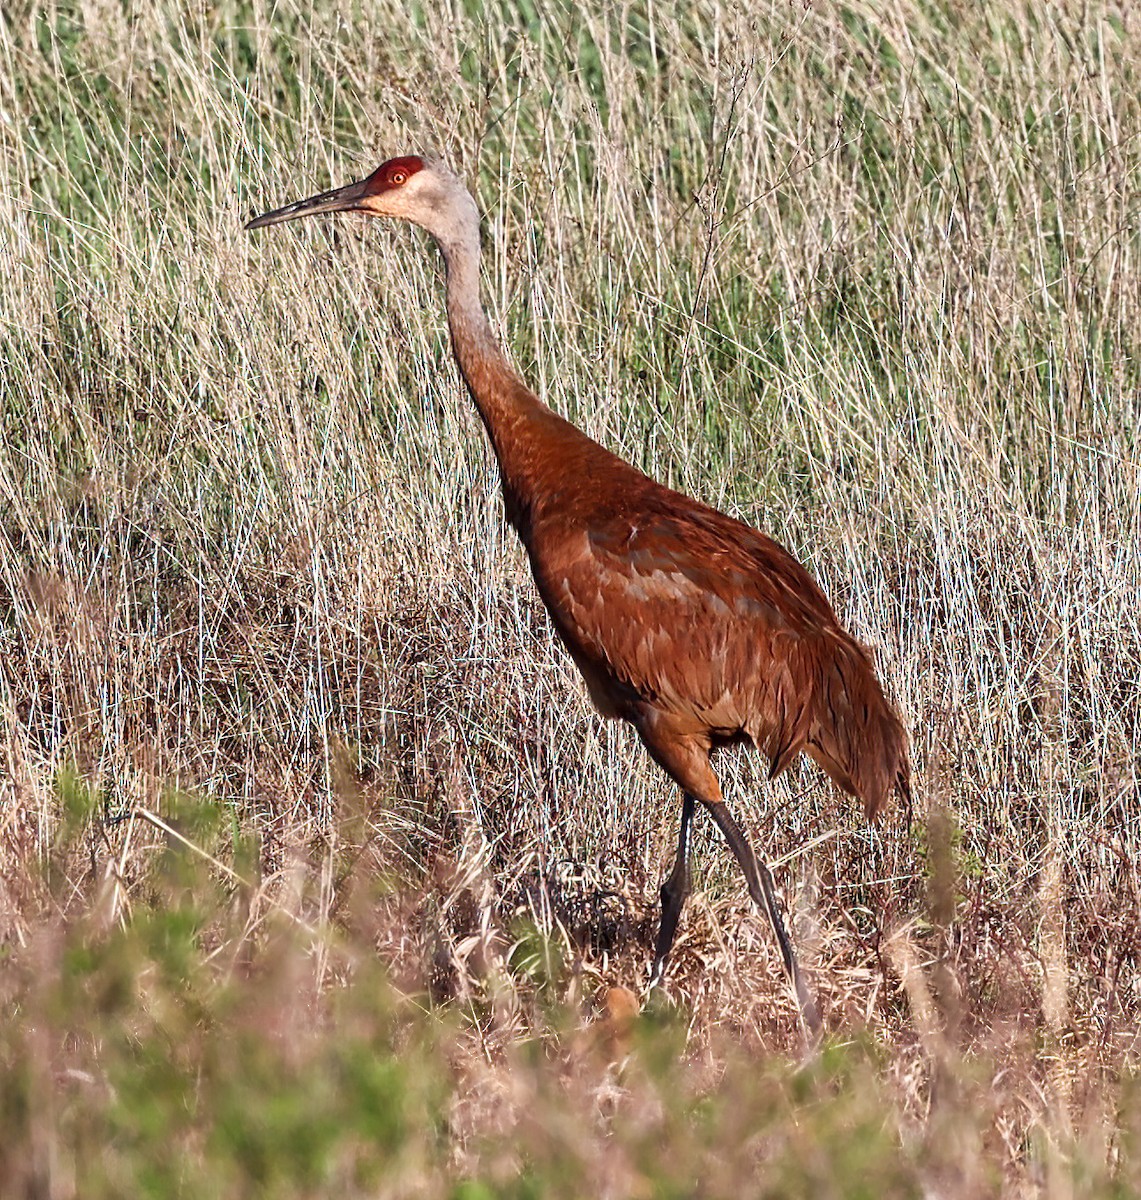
865	277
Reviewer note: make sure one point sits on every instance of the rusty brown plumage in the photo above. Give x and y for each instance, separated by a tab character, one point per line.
695	628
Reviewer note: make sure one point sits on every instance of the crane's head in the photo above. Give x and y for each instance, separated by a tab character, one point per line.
421	190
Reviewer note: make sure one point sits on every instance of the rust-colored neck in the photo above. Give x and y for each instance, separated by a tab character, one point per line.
509	408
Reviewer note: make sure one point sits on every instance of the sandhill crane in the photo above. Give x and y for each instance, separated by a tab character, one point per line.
698	630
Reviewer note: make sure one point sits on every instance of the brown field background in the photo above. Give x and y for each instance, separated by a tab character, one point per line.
866	276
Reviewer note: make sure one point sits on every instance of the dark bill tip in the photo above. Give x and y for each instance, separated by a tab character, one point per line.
342	199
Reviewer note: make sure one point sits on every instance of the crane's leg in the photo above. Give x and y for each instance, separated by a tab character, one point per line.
686	758
674	892
760	882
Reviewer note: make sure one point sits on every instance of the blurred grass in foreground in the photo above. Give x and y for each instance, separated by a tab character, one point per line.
227	1040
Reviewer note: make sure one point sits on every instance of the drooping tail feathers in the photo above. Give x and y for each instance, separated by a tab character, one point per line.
851	730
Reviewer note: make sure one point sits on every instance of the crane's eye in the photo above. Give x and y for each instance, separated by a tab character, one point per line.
398	177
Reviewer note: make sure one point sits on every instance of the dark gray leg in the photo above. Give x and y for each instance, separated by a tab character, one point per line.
760	882
674	891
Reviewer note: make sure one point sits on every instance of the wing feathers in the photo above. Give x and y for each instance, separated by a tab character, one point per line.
698	616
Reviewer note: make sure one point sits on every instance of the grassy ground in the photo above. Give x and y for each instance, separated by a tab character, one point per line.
318	874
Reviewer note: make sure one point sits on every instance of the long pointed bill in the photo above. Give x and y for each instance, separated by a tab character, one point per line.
342	199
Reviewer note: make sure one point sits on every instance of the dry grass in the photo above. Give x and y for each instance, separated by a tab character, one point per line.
867	278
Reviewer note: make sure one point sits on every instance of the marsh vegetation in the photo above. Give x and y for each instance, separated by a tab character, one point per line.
317	870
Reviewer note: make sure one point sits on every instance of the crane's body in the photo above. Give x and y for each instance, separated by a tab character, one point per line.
695	628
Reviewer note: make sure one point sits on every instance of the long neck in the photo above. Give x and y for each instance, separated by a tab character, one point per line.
507	406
